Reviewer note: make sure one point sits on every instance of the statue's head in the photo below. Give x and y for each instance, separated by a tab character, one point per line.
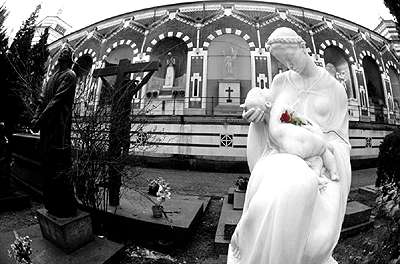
289	48
66	55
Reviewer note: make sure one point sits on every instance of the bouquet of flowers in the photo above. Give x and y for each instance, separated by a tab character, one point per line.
21	249
164	192
241	183
154	185
291	118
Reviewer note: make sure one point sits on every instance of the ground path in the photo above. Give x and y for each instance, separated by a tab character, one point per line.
217	183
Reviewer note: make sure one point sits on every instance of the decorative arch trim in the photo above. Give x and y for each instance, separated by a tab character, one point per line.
122	42
170	34
391	63
331	42
234	31
89	52
365	53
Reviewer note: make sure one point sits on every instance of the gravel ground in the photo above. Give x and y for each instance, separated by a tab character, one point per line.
12	220
200	248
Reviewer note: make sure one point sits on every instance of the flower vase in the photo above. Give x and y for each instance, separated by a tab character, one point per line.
157	211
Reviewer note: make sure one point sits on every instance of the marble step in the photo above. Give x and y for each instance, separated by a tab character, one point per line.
370	191
357	219
356	214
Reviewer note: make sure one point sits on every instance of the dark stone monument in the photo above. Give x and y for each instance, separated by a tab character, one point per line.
54	118
60	223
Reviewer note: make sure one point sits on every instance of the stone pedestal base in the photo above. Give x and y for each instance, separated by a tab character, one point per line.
68	234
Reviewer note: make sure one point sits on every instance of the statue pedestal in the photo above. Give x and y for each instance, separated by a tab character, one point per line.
68	234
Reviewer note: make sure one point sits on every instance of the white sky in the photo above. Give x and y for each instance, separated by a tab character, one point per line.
80	13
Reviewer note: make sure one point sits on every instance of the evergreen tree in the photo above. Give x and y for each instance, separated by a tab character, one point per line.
3	63
23	94
394	8
38	59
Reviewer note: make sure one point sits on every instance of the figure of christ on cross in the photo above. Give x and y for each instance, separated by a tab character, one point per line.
119	135
229	91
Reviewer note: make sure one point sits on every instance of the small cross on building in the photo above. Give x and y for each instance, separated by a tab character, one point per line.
229	91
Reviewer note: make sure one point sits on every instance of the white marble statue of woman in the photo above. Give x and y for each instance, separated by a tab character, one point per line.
288	217
170	73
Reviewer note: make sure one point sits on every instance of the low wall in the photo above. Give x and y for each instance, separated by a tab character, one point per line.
25	167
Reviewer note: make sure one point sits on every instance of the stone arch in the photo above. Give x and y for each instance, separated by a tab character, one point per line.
365	53
391	63
169	48
229	74
89	52
331	42
234	31
84	91
118	43
376	94
170	34
339	64
394	77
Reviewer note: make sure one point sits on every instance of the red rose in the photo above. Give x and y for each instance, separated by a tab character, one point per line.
285	117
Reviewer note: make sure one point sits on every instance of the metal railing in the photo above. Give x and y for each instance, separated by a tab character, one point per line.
215	106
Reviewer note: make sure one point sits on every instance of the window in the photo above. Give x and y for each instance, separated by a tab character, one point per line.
60	29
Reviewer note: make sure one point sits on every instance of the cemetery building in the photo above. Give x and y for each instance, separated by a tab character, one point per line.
57	28
212	53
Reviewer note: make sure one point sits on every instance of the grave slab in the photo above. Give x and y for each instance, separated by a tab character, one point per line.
356	214
370	191
99	251
183	213
230	217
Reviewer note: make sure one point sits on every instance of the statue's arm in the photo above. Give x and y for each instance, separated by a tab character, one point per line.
64	90
293	139
258	135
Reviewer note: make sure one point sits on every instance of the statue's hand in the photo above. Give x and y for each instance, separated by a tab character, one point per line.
330	163
257	105
253	114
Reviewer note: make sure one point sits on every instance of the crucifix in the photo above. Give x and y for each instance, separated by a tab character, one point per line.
229	91
119	136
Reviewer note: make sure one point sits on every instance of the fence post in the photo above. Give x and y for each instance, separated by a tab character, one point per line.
212	105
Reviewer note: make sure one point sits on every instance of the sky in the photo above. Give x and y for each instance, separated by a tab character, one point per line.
81	13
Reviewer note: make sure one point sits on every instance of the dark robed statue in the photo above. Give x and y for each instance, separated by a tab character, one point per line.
54	117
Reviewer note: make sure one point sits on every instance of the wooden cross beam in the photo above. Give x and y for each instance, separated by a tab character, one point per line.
119	135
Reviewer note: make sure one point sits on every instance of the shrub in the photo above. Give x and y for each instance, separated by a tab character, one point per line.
389	160
388	200
241	183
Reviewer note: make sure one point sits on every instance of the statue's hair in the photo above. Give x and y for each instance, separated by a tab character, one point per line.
285	36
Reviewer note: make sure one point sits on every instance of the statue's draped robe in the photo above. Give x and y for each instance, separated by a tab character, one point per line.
287	216
54	116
